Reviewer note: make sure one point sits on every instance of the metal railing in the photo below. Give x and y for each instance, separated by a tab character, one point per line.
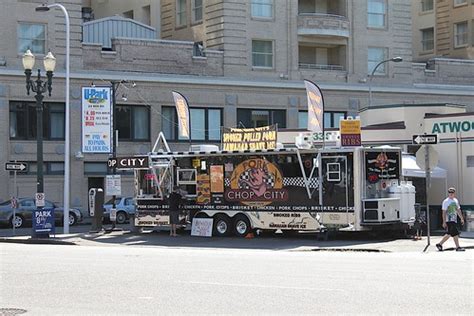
320	66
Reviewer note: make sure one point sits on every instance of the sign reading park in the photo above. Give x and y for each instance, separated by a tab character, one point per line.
249	138
43	220
96	120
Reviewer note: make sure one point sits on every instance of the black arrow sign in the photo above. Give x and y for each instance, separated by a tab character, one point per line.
16	166
425	139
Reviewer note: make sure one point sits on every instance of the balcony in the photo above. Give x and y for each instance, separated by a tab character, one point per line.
321	24
304	66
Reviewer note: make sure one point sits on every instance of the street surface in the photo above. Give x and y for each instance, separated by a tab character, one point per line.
125	280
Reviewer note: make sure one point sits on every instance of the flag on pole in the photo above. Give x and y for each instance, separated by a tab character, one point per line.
183	114
315	107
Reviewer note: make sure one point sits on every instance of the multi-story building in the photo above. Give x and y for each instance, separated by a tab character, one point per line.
443	29
239	63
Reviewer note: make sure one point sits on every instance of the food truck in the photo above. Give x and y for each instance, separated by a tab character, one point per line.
296	189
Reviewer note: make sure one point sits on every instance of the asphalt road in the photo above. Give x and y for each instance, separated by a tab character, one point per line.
80	280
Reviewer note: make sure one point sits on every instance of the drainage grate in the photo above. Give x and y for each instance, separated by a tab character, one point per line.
11	311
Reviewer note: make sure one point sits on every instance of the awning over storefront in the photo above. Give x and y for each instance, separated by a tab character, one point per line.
411	169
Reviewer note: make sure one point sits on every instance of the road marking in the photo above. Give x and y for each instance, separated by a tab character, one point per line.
266	286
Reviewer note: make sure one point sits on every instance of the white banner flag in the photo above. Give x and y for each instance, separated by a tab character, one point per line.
183	114
315	107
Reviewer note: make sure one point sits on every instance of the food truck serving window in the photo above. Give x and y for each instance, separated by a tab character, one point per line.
186	176
334	172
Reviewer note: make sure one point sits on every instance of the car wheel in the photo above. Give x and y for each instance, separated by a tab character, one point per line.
221	225
72	219
18	221
241	226
121	217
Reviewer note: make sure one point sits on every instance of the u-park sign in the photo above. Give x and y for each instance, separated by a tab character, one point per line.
135	162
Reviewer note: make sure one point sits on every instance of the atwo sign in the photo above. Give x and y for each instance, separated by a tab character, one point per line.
453	127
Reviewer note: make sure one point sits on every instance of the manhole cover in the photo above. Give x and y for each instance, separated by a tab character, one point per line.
11	311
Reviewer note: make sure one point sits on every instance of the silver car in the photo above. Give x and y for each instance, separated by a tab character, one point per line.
24	212
125	207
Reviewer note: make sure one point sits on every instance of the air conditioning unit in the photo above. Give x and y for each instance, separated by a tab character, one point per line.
204	148
303	141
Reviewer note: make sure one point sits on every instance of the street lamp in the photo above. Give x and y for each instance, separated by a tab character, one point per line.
67	140
394	59
39	87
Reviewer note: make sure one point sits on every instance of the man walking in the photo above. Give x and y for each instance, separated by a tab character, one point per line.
451	211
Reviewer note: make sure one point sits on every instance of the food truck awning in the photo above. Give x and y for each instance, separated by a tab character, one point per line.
411	169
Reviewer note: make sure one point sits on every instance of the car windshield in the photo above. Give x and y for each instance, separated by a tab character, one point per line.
5	203
117	200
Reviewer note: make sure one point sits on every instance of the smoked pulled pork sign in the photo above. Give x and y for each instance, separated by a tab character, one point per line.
249	138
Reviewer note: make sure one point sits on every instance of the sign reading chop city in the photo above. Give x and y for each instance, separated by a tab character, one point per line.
137	162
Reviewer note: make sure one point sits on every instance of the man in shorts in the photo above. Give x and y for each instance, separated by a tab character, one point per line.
451	211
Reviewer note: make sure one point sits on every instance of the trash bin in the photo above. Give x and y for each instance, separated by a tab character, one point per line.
469	220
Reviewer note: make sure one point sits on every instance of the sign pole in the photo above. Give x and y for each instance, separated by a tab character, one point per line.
14	203
428	180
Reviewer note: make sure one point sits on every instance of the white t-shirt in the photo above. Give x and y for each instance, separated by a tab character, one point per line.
451	206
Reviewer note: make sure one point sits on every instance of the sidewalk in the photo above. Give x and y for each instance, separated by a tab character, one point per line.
298	243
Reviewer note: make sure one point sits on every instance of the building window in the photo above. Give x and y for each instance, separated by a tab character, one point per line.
50	168
23	121
262	8
133	122
262	53
460	34
128	14
258	118
180	13
427	39
32	37
196	10
376	10
331	119
95	168
374	56
205	123
459	2
470	161
426	5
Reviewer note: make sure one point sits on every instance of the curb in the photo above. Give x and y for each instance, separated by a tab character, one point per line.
38	241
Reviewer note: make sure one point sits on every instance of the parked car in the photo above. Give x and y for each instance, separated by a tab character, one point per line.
125	206
23	213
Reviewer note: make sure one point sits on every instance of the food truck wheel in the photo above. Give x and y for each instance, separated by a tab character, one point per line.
241	226
221	225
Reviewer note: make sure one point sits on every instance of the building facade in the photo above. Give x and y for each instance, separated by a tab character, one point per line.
239	63
443	29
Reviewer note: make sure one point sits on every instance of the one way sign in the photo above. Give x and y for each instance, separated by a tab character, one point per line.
425	139
16	166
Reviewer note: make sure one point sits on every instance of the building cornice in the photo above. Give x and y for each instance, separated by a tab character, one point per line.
107	76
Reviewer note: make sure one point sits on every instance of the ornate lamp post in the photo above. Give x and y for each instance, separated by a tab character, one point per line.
394	59
39	87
